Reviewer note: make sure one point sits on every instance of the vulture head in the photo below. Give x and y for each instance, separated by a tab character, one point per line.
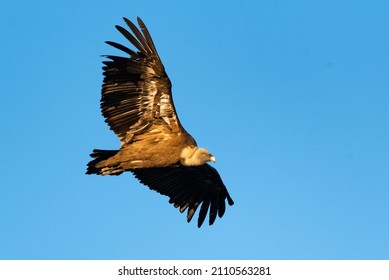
194	156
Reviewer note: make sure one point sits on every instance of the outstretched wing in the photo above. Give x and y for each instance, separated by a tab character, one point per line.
188	187
136	90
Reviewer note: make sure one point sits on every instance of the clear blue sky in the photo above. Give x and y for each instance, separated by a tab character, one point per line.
292	97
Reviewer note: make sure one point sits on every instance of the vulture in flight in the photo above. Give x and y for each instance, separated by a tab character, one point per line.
137	104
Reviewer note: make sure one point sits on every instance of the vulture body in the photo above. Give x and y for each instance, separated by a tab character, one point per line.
137	104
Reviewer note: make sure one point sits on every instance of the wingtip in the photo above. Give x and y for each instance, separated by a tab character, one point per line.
139	20
118	27
230	201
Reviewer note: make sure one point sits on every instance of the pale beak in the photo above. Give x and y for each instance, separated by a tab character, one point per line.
212	158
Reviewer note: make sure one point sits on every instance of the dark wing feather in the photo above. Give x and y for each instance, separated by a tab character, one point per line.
136	90
188	187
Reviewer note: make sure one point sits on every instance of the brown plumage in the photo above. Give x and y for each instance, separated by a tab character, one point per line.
137	104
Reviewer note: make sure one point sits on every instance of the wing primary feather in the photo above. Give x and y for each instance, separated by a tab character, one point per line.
147	35
191	212
213	210
222	208
139	36
131	38
203	212
183	207
121	47
229	199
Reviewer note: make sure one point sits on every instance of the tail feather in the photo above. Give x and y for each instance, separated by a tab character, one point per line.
97	165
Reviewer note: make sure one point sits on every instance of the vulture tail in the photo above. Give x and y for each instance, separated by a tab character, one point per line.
99	166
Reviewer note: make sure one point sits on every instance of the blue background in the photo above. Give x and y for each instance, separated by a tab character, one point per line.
292	98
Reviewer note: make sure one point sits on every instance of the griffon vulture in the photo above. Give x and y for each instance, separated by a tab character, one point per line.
137	104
